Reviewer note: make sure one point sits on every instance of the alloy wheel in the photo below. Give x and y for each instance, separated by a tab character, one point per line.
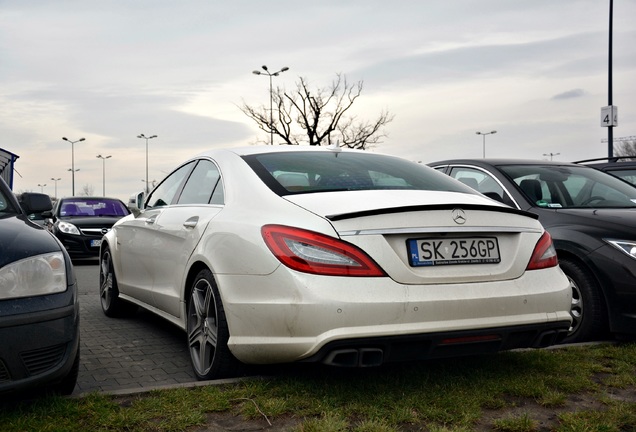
106	281
576	309
203	330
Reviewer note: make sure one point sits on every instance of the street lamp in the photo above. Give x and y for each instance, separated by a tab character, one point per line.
42	187
484	136
146	138
103	158
271	96
56	180
73	175
73	162
551	154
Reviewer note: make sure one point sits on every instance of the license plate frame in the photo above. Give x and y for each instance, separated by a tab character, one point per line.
443	251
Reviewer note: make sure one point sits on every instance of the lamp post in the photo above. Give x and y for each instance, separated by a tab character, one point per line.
271	97
42	187
103	158
610	129
56	180
146	138
483	134
73	162
73	176
551	154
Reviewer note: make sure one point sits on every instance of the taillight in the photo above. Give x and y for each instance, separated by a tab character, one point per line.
312	252
544	254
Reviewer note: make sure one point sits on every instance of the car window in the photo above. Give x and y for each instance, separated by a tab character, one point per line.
165	193
3	202
628	175
201	184
556	186
302	172
218	196
483	182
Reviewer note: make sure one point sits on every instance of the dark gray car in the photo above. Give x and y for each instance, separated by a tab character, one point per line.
591	217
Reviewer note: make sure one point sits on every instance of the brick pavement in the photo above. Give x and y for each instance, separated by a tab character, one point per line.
134	353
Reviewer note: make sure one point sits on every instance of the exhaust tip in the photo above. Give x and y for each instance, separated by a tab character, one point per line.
363	357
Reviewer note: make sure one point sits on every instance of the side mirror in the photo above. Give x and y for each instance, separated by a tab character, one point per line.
32	202
136	202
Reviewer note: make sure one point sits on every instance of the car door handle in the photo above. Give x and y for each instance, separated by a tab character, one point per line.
151	220
192	222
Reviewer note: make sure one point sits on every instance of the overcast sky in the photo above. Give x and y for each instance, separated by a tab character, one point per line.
536	71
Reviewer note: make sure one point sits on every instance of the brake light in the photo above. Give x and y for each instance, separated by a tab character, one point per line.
312	252
544	254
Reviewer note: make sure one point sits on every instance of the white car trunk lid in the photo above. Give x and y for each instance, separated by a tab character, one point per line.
417	237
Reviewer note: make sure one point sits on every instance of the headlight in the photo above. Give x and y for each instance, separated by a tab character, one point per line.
625	246
33	276
67	228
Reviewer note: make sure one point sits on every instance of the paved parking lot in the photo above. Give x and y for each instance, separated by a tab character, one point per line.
125	354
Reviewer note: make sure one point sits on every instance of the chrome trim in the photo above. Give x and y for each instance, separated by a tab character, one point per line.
478	168
441	229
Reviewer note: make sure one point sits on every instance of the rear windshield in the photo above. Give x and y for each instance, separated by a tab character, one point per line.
92	207
308	172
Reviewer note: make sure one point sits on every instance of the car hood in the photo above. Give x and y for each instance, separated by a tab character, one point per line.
20	239
333	204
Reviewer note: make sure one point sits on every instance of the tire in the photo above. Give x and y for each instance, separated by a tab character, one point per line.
208	332
112	305
590	321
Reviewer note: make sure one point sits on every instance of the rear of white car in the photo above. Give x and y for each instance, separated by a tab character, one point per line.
434	273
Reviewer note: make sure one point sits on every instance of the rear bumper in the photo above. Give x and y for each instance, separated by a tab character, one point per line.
287	316
366	352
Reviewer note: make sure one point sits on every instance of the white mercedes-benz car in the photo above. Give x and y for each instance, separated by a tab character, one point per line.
350	258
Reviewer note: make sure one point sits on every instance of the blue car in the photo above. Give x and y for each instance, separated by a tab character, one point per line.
39	310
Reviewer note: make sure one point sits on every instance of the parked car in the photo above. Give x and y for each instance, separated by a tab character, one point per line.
80	222
623	167
282	254
591	216
39	312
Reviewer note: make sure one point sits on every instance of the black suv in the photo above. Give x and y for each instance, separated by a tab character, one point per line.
623	167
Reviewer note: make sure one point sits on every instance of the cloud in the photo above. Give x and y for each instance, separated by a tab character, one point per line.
570	94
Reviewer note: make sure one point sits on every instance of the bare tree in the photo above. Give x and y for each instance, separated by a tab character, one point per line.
319	117
626	147
87	190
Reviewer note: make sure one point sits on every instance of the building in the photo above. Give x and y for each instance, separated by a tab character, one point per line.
7	159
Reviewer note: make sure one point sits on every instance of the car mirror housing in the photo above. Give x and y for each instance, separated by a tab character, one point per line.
136	202
32	202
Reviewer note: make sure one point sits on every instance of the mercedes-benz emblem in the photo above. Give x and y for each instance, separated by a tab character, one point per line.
459	216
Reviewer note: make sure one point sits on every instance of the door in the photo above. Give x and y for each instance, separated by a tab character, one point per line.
179	229
137	242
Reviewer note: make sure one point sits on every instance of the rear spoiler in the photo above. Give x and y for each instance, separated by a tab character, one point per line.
406	209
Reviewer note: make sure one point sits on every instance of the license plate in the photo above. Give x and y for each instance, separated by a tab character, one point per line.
448	251
96	243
